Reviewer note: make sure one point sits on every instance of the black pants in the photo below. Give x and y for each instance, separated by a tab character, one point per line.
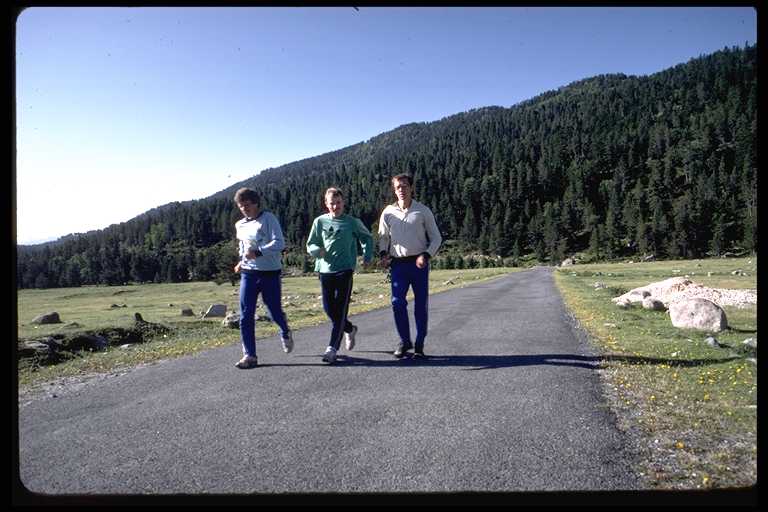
337	290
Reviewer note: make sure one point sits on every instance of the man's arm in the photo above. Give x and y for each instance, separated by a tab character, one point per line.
276	242
315	245
384	236
365	240
384	239
433	233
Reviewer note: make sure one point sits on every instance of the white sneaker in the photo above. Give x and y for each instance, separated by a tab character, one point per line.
330	355
287	342
247	362
349	338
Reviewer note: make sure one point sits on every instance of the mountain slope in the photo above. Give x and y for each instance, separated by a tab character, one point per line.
613	164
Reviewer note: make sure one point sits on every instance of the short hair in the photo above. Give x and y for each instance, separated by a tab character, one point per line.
247	194
333	191
404	177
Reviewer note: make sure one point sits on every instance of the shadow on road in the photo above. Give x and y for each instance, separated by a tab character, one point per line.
490	362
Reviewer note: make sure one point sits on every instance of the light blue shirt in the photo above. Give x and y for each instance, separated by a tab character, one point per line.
262	233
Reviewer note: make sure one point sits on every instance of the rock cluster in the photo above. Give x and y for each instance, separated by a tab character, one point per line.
690	305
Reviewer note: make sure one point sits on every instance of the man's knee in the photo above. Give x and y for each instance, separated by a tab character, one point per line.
399	303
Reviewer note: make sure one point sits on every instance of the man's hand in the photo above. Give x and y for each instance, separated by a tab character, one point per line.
384	261
237	267
421	261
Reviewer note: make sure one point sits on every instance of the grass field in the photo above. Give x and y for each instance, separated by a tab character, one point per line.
692	407
90	307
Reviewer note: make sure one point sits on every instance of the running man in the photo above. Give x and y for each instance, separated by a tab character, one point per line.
408	238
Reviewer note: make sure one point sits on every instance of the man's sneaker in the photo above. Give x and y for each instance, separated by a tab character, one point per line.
402	349
247	362
330	355
418	353
349	338
287	342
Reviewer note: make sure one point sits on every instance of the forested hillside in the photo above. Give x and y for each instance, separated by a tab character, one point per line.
612	166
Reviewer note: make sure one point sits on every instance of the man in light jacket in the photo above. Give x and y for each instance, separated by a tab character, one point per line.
408	238
260	246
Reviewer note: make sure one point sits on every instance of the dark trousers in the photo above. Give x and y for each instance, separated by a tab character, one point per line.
337	290
406	274
252	284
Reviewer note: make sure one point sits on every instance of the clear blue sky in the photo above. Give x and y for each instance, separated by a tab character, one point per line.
122	109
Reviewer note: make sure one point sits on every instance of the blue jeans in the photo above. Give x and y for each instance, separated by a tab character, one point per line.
269	285
405	274
337	289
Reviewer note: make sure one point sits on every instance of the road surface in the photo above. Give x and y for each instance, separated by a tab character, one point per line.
509	400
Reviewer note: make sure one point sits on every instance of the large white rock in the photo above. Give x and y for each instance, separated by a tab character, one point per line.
699	314
661	290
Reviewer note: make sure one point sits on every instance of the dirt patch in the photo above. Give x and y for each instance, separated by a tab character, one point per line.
120	292
60	347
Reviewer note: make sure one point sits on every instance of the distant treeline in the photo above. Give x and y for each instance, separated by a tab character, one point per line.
611	166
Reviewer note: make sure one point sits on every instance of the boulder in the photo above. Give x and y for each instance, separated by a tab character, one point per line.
216	310
653	304
232	320
712	342
661	290
47	318
187	312
697	313
567	262
38	352
33	348
623	303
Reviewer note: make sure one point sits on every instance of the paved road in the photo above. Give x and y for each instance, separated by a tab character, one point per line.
509	401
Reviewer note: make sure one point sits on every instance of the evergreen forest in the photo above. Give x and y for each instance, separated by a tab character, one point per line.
612	166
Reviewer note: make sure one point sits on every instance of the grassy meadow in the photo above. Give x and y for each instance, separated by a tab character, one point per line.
692	407
91	307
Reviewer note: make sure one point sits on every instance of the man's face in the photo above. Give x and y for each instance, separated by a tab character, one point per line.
335	205
248	209
402	190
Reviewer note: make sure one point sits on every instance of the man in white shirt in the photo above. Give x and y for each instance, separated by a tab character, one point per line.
408	238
